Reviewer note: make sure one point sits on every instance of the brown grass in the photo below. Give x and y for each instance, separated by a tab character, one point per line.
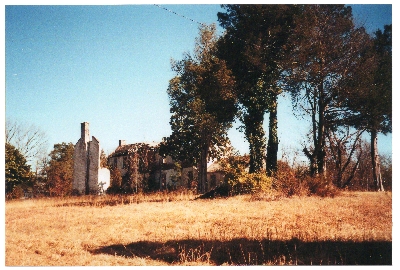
352	228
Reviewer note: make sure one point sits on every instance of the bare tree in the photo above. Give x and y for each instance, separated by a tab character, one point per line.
30	140
344	152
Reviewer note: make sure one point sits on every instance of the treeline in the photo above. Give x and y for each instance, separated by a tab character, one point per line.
339	77
51	175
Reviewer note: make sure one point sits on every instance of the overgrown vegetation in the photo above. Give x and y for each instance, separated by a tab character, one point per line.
286	182
336	73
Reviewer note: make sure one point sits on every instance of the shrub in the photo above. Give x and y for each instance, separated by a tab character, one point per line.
16	193
250	183
290	182
320	186
286	181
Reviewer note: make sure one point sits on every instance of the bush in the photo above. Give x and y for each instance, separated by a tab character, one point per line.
286	182
320	186
246	183
16	193
290	182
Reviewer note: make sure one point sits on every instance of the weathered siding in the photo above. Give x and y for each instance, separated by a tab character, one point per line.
215	179
169	176
189	177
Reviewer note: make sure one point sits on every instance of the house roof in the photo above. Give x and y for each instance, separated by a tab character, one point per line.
124	150
214	167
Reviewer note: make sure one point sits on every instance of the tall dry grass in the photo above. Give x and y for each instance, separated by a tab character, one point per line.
165	229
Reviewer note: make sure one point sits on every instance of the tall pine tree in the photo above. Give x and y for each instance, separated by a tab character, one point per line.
369	96
326	50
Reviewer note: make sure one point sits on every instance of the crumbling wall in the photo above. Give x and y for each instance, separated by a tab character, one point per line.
94	165
80	166
87	164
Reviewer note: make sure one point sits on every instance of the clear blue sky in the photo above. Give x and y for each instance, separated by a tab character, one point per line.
110	66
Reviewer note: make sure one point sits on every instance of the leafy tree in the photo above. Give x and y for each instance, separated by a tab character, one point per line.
326	50
234	167
203	105
60	169
253	46
103	159
140	167
116	181
17	171
370	95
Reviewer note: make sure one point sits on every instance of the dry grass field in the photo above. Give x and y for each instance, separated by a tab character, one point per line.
164	229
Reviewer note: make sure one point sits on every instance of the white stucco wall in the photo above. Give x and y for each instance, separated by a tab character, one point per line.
104	177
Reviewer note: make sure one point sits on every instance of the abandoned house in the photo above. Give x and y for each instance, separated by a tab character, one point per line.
142	168
88	177
215	176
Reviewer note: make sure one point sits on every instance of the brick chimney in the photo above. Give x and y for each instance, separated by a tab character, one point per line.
85	132
122	142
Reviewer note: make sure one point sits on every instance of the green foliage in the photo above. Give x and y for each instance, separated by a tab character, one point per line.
60	170
203	105
234	168
370	94
258	181
116	181
255	135
254	45
237	178
287	181
17	172
370	89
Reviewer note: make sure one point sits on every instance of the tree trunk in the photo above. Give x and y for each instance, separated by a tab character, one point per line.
273	142
317	155
320	147
376	166
255	136
202	167
313	161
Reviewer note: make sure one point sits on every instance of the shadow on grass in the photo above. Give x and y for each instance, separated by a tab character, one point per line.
257	252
